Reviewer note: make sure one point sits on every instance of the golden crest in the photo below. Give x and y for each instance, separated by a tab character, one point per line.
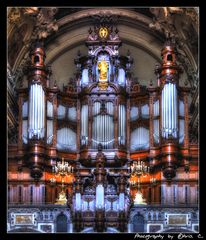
103	32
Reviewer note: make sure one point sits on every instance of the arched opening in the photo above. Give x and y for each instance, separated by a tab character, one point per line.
169	57
138	223
36	59
88	230
61	223
112	230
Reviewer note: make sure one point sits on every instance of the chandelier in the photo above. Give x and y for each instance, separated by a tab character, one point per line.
63	169
139	168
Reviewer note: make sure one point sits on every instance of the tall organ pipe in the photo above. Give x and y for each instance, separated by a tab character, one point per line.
169	110
122	117
36	111
84	124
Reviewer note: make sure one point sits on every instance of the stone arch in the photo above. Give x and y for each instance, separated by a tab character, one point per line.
61	223
88	230
138	223
112	230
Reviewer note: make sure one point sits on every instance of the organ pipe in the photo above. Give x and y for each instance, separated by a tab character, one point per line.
181	131
122	124
169	110
84	125
103	126
181	108
66	139
139	139
36	111
156	121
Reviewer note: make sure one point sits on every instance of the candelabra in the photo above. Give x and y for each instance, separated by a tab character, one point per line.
138	169
62	169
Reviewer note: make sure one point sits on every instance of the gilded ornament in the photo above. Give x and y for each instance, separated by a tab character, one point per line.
103	32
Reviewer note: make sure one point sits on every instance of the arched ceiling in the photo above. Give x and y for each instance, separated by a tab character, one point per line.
134	25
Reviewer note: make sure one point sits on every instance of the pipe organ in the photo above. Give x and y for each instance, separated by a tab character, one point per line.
84	125
122	124
36	111
169	111
140	139
50	117
156	121
25	122
103	125
102	120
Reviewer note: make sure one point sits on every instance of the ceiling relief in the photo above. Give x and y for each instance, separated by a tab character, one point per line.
43	18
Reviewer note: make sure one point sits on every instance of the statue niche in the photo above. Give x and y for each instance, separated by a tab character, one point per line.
103	70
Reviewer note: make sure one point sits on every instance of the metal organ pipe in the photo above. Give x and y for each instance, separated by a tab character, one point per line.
169	110
175	111
163	113
36	111
103	126
84	124
172	109
156	122
41	111
166	110
122	133
121	123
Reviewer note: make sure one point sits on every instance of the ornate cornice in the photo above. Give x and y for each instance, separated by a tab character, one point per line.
164	21
43	19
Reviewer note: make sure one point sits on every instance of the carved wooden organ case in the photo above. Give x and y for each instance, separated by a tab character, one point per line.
102	121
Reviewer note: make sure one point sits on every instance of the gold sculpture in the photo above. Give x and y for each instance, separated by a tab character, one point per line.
103	68
139	198
103	32
62	199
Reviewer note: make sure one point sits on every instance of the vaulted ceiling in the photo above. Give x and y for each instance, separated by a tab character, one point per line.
64	31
